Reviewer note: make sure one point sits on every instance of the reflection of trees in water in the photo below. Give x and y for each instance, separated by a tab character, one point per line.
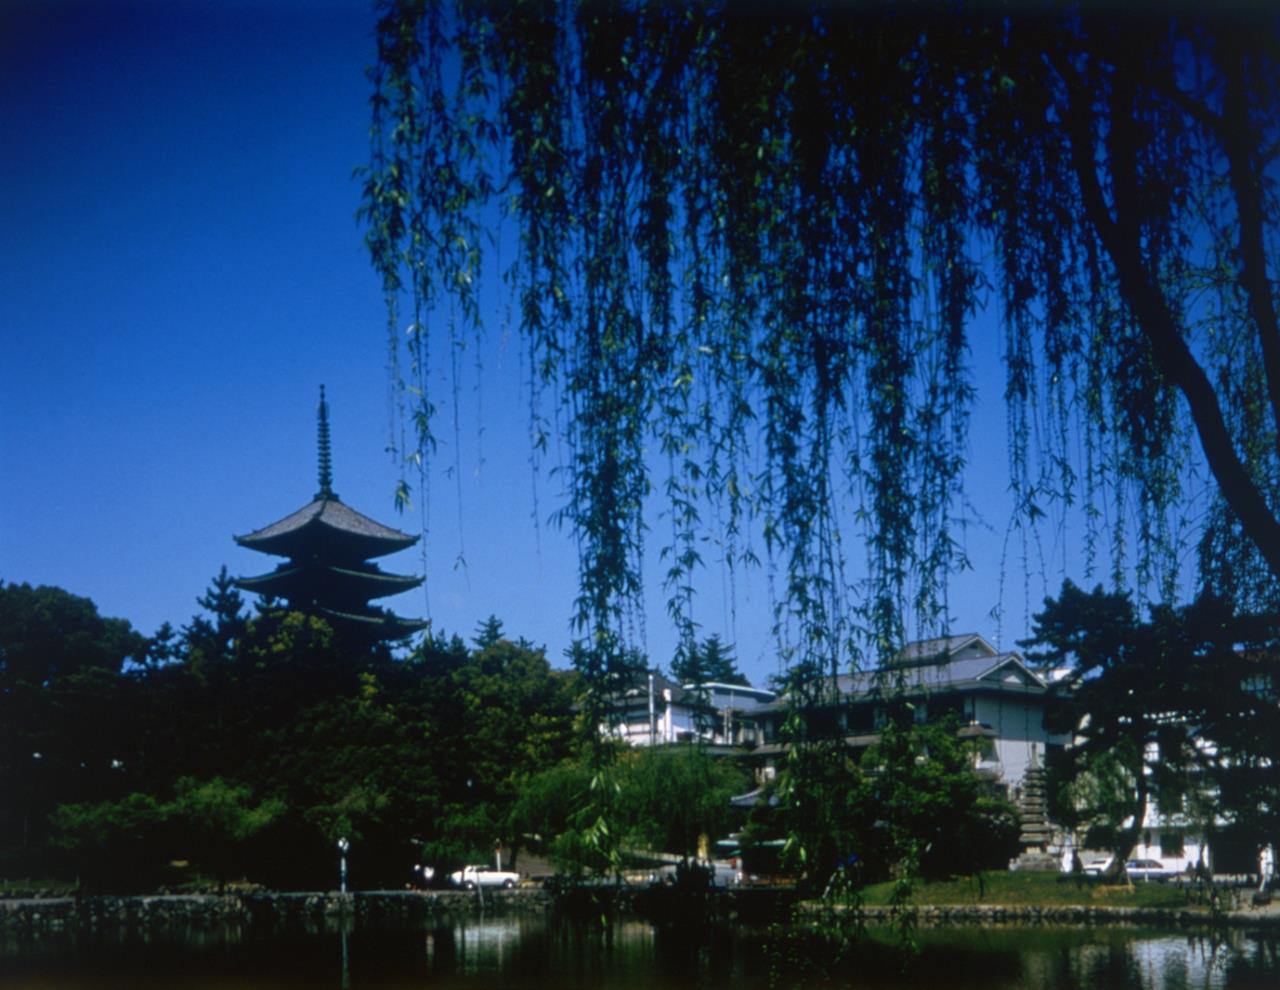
1173	962
537	951
1024	958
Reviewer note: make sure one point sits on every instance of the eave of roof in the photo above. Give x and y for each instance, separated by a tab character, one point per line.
392	626
326	514
372	583
879	684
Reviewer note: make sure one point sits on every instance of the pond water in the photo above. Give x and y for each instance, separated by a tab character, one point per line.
540	952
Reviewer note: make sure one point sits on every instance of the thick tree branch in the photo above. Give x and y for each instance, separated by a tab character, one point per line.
1120	238
1238	140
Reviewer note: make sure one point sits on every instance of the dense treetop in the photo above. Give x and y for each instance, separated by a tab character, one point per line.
248	742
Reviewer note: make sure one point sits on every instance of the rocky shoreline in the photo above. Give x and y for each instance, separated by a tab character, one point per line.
52	914
1062	915
39	915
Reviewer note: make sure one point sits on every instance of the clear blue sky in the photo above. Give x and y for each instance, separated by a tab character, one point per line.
180	268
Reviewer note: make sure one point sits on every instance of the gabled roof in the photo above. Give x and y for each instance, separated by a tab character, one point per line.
943	647
970	671
349	533
1012	669
954	663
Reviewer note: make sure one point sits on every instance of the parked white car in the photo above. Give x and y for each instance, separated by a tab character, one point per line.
471	877
1149	869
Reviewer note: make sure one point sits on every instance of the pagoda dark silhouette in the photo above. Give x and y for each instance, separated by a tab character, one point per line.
328	573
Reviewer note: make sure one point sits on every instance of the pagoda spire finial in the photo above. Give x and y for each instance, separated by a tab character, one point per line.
326	458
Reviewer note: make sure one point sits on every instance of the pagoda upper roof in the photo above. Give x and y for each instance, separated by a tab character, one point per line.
368	582
329	525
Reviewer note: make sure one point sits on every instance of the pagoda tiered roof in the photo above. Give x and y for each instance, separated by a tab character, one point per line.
290	580
330	527
382	624
329	545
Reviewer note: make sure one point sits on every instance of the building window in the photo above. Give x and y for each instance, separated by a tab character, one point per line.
1170	844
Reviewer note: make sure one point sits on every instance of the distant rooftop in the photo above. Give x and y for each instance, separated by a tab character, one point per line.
942	648
964	662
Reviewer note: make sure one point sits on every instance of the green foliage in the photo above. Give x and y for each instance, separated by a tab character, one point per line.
488	632
114	844
1019	888
49	634
248	744
210	637
1095	798
1165	710
754	248
911	806
64	705
931	811
663	799
671	798
558	811
547	802
710	661
217	822
758	243
124	844
817	794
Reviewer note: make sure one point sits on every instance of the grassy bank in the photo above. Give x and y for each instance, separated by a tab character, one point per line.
1036	890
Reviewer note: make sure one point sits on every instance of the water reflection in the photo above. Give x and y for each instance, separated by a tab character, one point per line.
536	952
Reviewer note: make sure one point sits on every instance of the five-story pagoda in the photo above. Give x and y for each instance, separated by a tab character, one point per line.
328	573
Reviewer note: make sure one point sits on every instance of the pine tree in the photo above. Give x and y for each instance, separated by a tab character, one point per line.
488	633
711	661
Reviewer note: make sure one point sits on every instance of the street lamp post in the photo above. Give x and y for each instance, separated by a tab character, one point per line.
343	846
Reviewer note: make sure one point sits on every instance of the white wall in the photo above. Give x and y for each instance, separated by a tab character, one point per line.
1019	725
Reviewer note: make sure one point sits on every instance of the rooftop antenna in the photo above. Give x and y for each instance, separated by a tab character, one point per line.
326	459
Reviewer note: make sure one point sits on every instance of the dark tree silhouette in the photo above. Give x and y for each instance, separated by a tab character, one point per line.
706	662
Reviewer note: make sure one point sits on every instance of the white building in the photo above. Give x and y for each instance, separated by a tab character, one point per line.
658	711
996	698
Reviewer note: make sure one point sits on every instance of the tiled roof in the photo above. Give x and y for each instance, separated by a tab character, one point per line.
938	648
330	514
927	676
392	625
967	672
373	582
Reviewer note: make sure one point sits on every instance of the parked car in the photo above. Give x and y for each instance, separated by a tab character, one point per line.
1148	869
471	877
1097	867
